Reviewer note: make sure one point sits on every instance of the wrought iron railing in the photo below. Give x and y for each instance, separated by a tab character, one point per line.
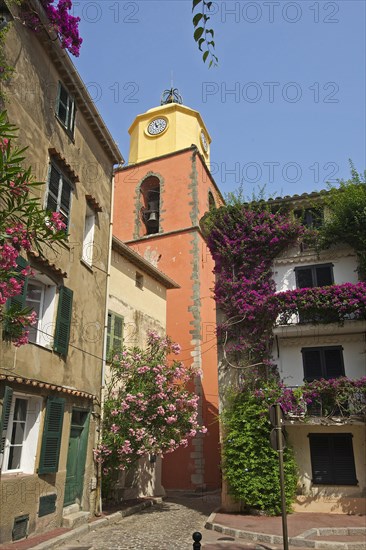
330	405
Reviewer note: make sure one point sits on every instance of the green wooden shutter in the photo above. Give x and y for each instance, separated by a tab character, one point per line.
63	321
117	333
52	434
109	333
4	421
114	335
18	302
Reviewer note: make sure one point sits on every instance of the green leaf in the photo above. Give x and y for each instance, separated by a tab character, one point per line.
200	42
205	55
197	18
195	3
198	33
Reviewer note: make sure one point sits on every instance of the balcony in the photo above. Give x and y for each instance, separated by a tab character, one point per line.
320	305
337	399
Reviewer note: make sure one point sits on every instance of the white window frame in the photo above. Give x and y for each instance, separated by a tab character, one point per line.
88	241
62	179
45	326
31	434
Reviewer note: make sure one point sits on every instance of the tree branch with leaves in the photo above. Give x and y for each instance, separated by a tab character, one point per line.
203	34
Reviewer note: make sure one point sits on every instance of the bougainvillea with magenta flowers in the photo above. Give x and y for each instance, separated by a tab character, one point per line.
61	21
325	397
328	304
148	409
244	241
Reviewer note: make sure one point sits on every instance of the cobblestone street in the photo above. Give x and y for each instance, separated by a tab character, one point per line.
164	526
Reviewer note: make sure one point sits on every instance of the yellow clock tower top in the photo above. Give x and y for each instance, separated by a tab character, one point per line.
166	129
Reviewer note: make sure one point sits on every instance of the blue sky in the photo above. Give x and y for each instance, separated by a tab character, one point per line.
286	105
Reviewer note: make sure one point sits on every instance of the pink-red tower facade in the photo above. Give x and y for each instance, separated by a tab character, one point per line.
160	198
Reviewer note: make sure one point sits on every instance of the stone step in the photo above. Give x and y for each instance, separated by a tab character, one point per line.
75	519
72	509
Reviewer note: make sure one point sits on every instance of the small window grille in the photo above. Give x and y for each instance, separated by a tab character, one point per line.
20	528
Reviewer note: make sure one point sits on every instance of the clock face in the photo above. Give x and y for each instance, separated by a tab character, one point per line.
157	126
204	141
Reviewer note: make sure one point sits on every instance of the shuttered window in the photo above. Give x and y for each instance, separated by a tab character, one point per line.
58	198
65	109
4	420
63	321
332	459
114	335
314	275
20	527
16	303
324	362
52	434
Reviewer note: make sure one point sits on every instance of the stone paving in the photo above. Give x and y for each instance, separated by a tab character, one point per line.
165	526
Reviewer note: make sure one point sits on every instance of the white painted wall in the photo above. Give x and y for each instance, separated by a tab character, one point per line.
290	357
344	270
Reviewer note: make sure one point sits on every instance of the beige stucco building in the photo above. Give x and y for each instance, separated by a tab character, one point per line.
137	303
50	388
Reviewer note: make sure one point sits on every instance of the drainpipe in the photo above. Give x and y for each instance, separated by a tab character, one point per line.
98	508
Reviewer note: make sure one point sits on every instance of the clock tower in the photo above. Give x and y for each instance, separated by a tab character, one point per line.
166	129
160	198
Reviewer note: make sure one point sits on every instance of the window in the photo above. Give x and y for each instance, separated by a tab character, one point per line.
88	235
58	197
139	280
41	298
114	335
20	527
20	431
325	362
310	217
39	293
332	459
314	275
65	109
